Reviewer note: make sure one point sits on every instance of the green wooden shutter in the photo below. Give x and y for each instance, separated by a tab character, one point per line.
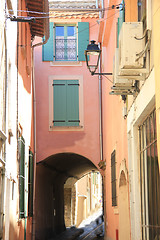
66	102
121	19
59	93
83	39
47	49
72	103
30	184
21	176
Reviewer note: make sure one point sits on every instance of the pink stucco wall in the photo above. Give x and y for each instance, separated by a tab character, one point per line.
85	141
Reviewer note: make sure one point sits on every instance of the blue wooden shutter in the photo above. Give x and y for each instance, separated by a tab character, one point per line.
47	49
72	103
83	39
66	102
121	19
21	176
60	108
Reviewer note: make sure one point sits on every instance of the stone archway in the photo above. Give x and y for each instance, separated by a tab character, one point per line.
124	222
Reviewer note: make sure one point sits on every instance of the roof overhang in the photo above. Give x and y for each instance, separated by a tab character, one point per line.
40	27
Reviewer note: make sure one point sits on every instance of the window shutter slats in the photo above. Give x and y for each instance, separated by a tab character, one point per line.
83	39
73	103
21	176
47	49
113	178
30	185
59	93
121	19
66	102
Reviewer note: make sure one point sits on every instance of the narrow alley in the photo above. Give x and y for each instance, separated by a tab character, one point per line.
79	120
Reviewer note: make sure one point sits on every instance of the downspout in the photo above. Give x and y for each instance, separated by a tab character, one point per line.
100	110
34	127
35	145
101	137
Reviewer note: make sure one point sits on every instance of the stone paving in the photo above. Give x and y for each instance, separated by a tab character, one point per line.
82	232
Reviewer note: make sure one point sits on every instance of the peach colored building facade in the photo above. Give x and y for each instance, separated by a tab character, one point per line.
115	150
134	132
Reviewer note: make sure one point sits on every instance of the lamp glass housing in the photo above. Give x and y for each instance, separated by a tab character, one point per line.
94	52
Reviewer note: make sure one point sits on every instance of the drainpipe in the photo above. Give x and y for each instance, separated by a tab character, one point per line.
101	136
100	110
46	34
34	127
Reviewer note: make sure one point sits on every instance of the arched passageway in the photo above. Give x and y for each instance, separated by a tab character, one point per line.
51	175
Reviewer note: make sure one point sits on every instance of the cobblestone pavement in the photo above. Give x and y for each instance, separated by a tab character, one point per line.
91	228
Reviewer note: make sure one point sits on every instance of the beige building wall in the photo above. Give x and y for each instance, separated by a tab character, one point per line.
2	110
156	49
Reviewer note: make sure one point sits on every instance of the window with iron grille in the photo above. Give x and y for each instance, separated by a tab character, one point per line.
149	179
113	178
67	42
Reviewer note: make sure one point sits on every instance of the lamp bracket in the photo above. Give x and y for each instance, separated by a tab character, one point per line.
101	74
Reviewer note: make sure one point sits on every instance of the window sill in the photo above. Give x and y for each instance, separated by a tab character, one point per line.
65	128
65	63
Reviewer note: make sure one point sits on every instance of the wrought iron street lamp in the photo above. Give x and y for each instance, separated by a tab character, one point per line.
94	53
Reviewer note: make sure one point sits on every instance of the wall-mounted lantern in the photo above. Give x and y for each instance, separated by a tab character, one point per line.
94	53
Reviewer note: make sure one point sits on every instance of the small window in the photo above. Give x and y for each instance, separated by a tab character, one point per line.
113	178
66	103
66	108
